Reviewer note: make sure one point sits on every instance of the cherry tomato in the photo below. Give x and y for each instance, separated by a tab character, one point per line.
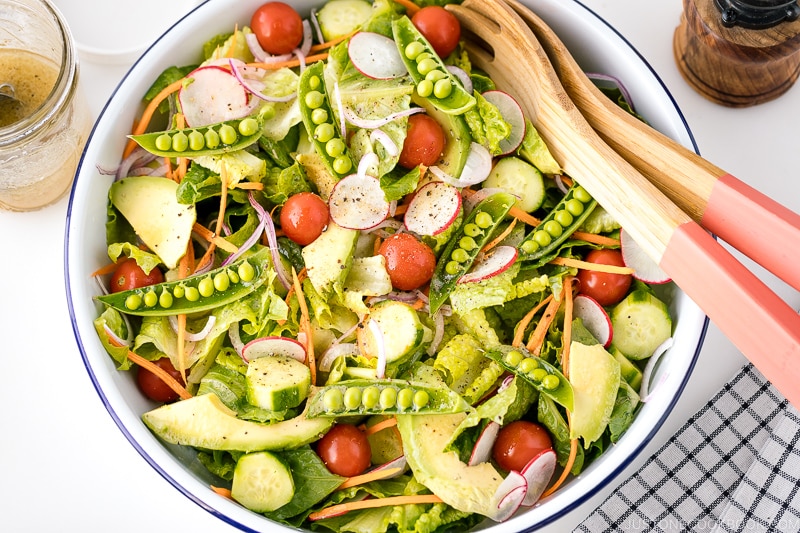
440	27
153	386
607	289
424	142
519	442
129	275
345	450
303	217
278	27
409	262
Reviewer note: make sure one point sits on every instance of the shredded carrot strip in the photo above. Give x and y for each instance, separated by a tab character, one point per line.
577	263
222	491
147	115
223	202
567	334
332	42
208	235
103	270
373	503
419	304
290	63
383	424
401	209
573	452
595	238
162	374
376	246
567	181
249	185
523	324
305	325
410	6
537	337
369	476
184	268
494	242
524	216
168	164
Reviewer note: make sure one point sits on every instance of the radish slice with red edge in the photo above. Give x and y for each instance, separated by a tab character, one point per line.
375	56
269	346
594	317
202	102
488	265
538	473
357	202
511	113
433	209
400	463
644	268
482	450
476	169
509	496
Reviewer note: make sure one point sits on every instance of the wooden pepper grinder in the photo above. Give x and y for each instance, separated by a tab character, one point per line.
739	53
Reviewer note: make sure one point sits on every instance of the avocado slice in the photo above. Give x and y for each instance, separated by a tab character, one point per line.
328	259
595	377
151	207
457	137
205	422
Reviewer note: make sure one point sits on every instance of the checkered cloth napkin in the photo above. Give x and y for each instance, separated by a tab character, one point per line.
733	467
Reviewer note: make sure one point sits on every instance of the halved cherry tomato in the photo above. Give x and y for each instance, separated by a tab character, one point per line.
303	217
607	289
129	275
278	27
409	262
345	450
424	142
519	442
440	27
153	386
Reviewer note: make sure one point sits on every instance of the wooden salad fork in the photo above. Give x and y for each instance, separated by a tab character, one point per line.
758	322
745	218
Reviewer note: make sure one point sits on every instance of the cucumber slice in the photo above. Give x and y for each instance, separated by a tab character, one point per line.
342	17
262	482
641	322
520	178
401	328
277	382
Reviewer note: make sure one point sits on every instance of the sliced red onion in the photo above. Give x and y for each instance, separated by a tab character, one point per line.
315	25
138	158
506	383
476	170
597	76
402	296
374	123
260	54
380	347
269	229
308	37
560	184
236	340
255	90
370	159
246	245
386	141
462	76
115	339
193	337
352	329
421	296
128	328
393	208
334	352
337	97
301	57
646	389
388	223
438	332
206	267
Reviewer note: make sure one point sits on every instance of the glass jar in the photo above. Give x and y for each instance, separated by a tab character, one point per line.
42	134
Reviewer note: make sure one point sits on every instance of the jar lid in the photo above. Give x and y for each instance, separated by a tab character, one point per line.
118	33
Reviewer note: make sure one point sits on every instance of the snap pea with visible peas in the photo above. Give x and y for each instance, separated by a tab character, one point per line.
546	378
222	137
465	245
382	396
197	293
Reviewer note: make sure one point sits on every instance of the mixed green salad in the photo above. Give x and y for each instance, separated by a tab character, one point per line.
352	277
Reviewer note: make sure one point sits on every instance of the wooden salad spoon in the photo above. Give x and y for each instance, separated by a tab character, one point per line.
745	218
758	322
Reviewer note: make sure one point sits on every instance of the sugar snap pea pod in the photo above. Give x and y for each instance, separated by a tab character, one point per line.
321	123
545	377
212	139
195	293
463	248
383	396
558	225
431	77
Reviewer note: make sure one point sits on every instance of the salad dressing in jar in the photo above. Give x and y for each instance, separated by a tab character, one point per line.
43	131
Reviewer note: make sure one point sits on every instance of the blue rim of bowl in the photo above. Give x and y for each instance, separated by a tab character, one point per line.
227	519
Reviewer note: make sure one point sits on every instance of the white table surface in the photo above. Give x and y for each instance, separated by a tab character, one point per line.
66	466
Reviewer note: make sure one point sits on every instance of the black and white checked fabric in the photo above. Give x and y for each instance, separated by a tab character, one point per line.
733	467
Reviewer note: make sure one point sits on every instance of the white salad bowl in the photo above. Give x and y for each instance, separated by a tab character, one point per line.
596	45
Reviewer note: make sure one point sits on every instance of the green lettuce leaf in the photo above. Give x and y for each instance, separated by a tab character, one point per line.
487	125
146	260
112	319
549	415
534	150
624	410
281	183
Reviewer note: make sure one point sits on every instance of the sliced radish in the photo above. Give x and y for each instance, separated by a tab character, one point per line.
538	473
269	346
433	209
462	76
512	113
644	268
495	262
376	56
482	450
594	317
509	496
357	202
476	169
400	463
214	95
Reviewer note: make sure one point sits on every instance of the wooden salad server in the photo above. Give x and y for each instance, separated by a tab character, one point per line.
745	218
758	321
